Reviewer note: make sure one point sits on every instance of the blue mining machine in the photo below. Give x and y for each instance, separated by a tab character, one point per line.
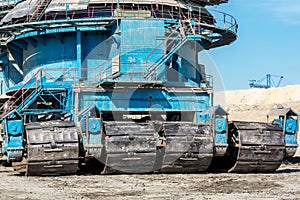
116	86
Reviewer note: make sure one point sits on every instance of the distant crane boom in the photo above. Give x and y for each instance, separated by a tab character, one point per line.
270	81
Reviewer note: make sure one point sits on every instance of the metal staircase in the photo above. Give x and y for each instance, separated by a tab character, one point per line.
19	96
173	43
30	91
40	10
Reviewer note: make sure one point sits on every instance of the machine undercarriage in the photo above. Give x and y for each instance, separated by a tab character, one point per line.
119	88
136	143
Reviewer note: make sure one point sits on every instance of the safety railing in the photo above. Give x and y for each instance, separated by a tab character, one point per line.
73	76
56	77
35	85
40	10
199	15
175	45
86	77
169	45
31	85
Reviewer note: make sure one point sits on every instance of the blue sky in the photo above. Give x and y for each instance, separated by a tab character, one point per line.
268	43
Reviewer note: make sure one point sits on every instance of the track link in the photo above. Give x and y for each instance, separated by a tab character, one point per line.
258	147
130	147
189	148
52	149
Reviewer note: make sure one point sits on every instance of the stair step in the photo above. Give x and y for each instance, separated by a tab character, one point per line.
39	10
164	58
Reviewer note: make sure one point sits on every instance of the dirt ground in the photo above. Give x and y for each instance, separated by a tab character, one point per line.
283	184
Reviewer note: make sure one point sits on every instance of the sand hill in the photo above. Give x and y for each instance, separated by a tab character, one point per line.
255	104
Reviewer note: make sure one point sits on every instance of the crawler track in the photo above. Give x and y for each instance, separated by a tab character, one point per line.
132	147
189	148
259	147
52	149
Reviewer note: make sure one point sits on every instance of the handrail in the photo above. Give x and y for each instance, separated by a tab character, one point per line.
199	14
204	20
163	42
37	14
41	77
28	92
157	64
24	90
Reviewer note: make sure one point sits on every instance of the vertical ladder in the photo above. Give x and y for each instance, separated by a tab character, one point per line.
40	10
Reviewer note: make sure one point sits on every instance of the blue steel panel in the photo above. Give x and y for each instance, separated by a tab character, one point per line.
14	75
92	139
290	139
291	126
139	39
15	127
3	69
141	32
220	125
145	99
14	142
38	55
78	48
54	49
94	125
278	121
14	136
83	125
93	42
220	139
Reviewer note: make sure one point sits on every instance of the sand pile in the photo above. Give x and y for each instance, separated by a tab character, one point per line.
255	104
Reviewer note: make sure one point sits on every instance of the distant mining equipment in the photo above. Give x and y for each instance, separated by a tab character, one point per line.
266	82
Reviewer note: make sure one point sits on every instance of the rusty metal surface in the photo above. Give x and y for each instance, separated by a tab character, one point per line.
52	148
260	147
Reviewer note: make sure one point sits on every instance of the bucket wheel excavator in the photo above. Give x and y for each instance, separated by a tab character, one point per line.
117	86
